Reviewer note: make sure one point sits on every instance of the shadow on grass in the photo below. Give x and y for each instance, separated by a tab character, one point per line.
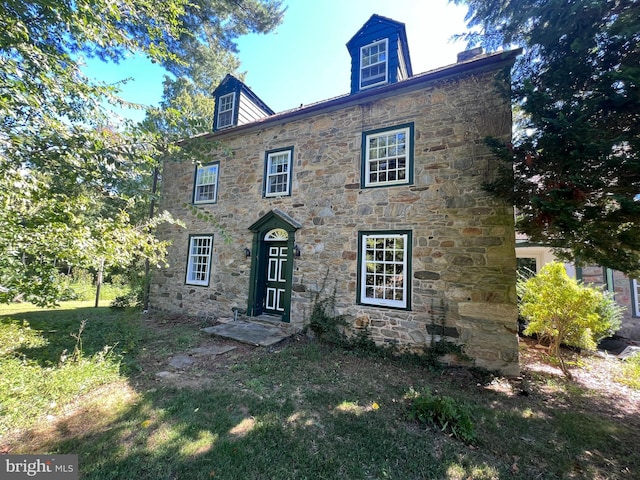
168	434
307	411
59	328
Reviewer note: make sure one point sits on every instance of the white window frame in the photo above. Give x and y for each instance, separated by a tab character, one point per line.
375	266
383	154
226	107
269	175
370	60
206	178
199	260
635	296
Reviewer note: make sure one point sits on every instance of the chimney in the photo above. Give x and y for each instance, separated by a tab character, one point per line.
469	54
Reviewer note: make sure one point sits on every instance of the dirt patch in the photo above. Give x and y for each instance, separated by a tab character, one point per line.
593	372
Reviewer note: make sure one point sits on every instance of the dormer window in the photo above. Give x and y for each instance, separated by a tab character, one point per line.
379	54
373	64
225	110
236	105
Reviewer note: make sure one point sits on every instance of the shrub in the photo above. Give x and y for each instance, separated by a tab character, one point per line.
323	321
561	310
443	412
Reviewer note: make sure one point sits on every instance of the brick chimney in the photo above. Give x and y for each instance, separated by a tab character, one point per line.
469	54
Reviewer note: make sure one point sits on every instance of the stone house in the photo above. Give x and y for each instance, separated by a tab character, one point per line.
375	196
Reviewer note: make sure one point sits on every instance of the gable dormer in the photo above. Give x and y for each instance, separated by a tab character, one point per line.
379	54
236	105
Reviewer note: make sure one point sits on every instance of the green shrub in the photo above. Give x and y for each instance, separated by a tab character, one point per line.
127	300
560	310
443	412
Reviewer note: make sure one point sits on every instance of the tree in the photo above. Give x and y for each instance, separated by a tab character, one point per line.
573	170
70	174
187	105
562	311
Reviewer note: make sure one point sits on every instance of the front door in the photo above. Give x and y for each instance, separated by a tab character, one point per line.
275	292
271	282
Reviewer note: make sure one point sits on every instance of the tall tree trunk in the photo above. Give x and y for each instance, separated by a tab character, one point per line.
99	281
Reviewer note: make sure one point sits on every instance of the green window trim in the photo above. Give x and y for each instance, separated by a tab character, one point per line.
607	274
278	166
384	269
199	257
205	183
387	156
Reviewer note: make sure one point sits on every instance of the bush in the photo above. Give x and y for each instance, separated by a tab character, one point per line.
444	412
562	311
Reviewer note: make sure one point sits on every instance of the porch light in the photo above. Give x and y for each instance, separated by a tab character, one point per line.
296	250
247	252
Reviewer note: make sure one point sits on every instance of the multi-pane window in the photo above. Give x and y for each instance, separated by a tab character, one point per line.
384	270
635	296
205	189
387	157
225	110
277	179
199	261
373	64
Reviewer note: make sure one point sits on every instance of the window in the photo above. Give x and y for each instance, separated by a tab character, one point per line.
384	269
635	297
526	267
205	189
199	262
387	157
277	178
225	110
373	64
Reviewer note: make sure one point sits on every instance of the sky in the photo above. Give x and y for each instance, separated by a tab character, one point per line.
305	60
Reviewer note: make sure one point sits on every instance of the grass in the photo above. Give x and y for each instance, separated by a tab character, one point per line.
630	374
49	358
86	291
301	411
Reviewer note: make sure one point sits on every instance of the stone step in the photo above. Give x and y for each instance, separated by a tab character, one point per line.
259	332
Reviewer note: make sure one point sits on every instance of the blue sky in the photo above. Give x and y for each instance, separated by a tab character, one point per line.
305	60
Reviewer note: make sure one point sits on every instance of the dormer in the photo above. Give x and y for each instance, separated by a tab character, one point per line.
379	54
236	105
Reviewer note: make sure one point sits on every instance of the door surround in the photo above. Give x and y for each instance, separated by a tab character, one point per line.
272	221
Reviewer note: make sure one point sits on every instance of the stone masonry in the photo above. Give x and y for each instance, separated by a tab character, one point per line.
622	285
463	263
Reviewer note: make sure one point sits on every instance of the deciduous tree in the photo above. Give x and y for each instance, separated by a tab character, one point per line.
70	172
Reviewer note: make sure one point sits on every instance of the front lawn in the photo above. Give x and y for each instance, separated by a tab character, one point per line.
302	410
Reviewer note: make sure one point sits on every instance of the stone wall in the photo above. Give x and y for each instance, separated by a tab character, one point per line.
463	285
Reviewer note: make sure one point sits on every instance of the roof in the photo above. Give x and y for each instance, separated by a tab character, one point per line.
479	64
230	79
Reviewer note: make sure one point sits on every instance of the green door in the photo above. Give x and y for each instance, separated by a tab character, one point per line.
275	298
271	281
